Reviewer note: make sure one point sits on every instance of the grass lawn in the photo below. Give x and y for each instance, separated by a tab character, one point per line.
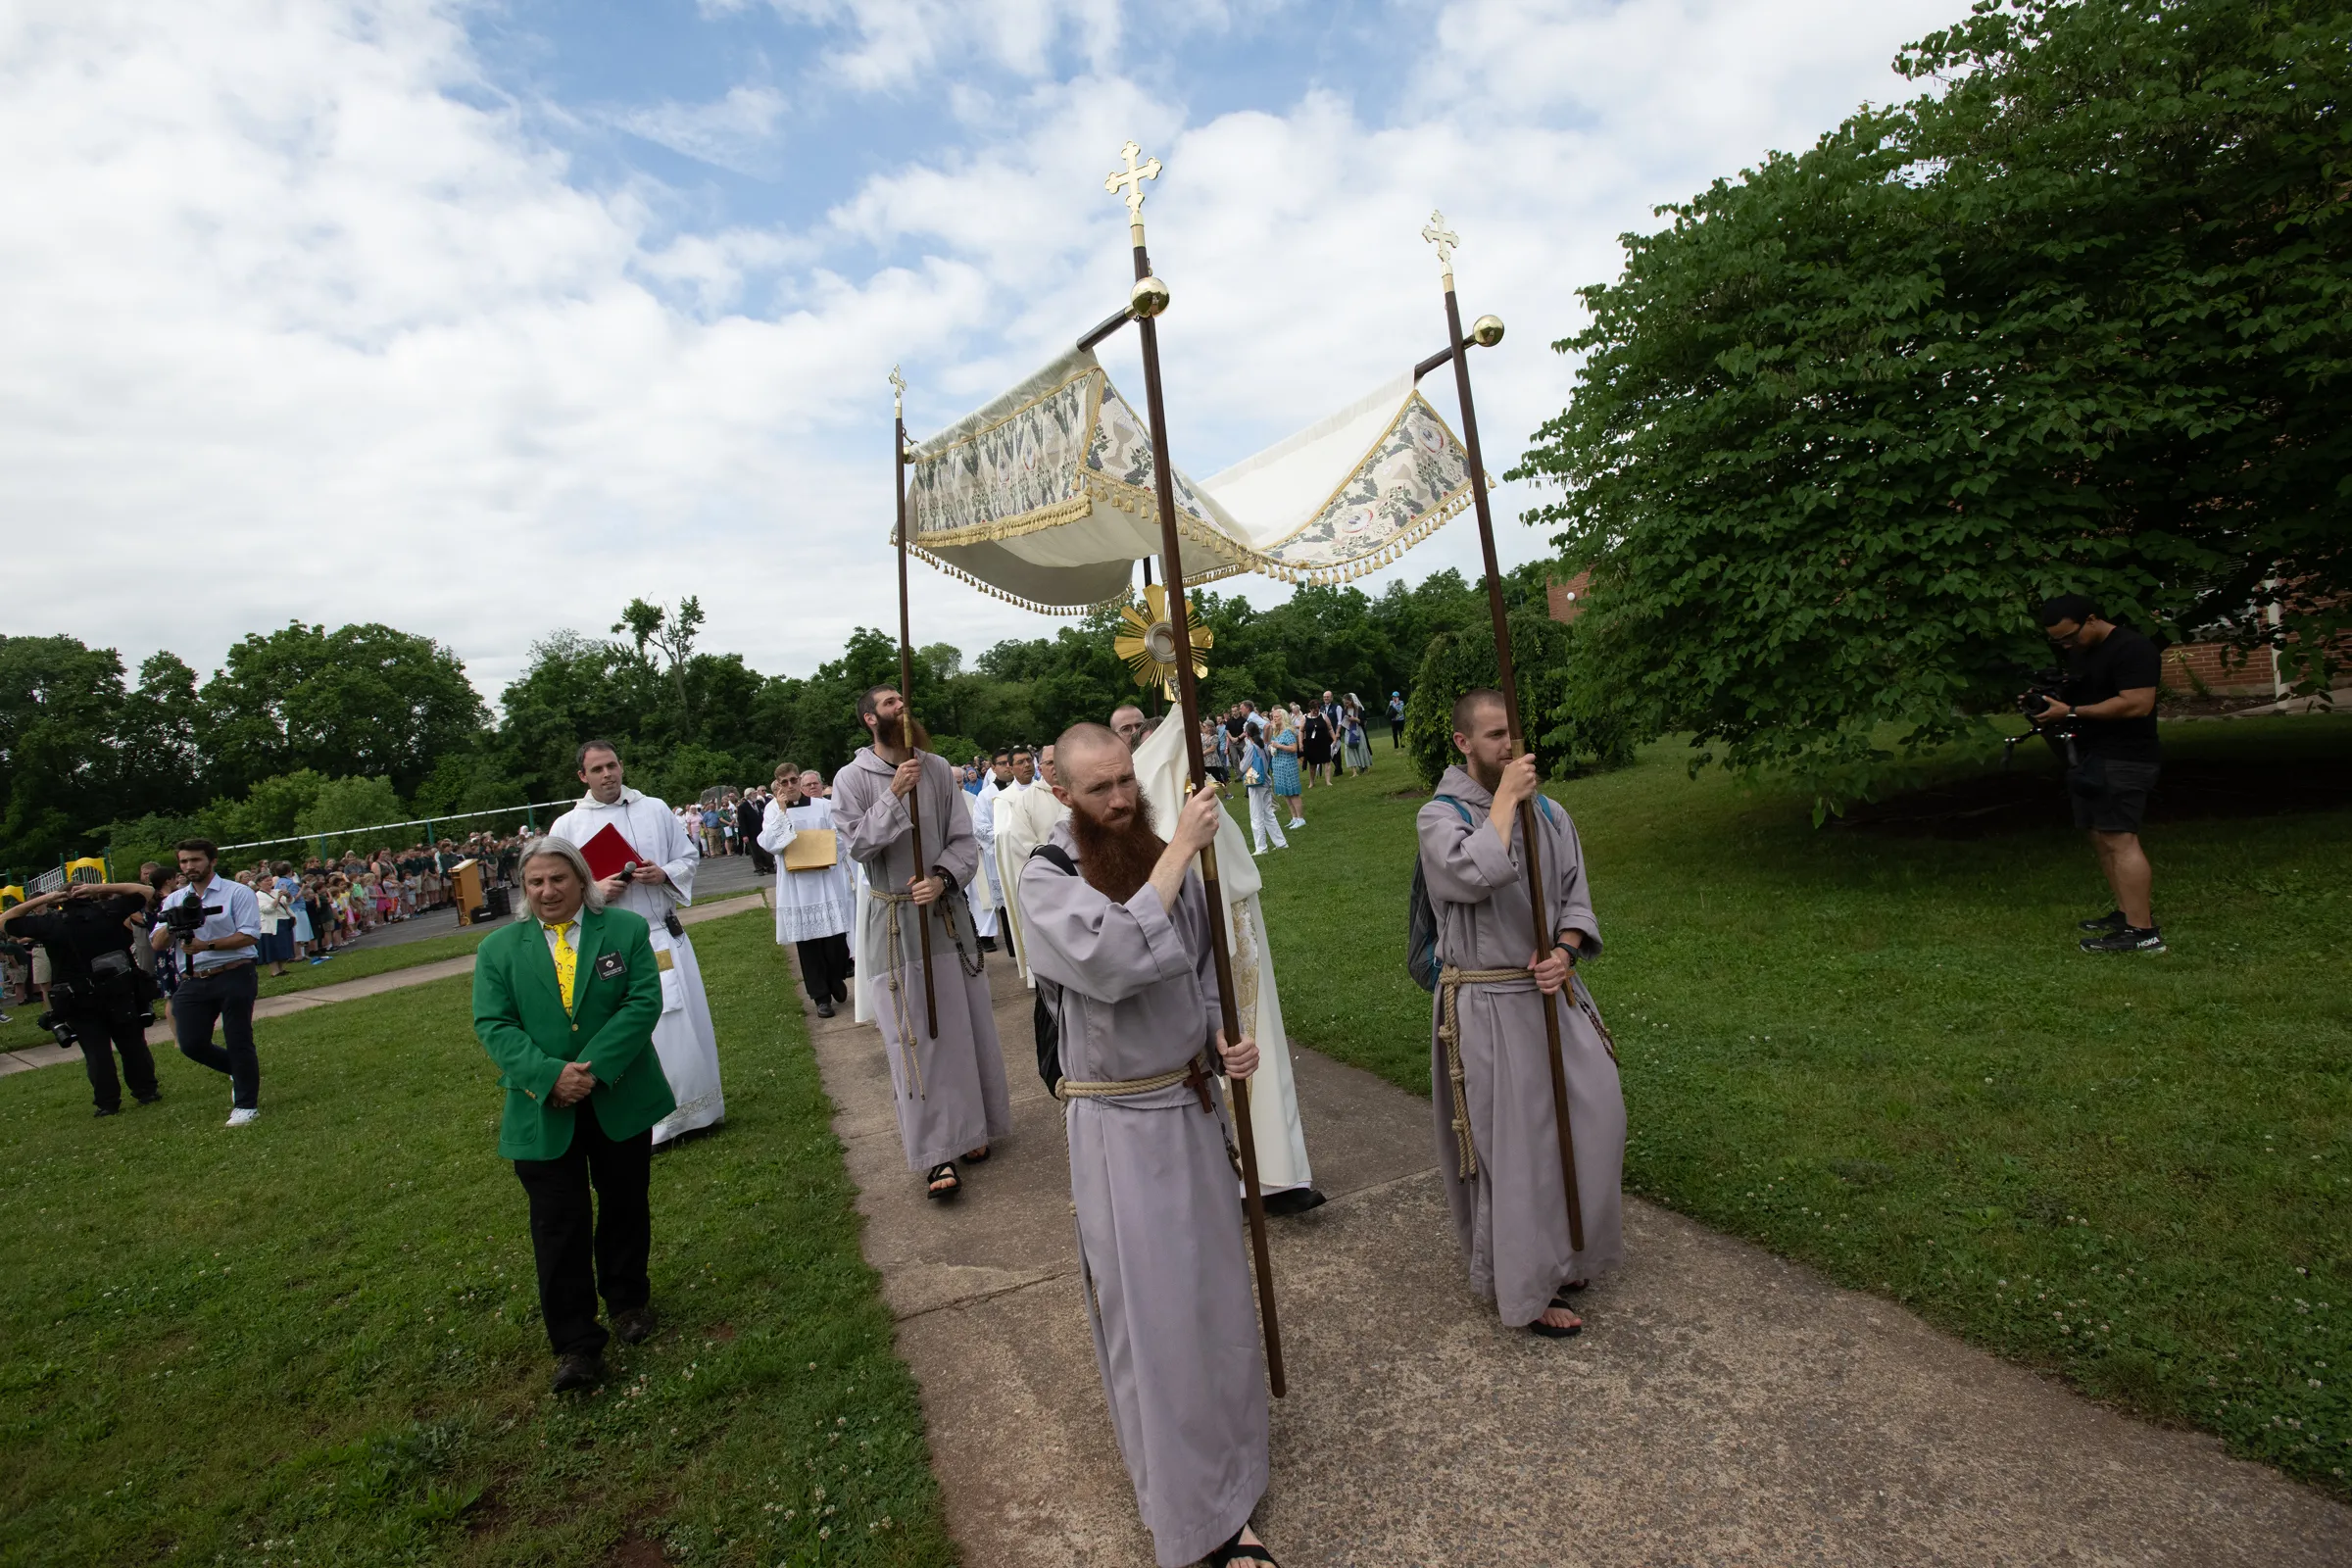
316	1340
1883	1057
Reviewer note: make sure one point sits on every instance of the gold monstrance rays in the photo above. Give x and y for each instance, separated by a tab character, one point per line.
1149	644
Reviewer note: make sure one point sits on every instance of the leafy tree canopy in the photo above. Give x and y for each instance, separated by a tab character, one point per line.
2081	322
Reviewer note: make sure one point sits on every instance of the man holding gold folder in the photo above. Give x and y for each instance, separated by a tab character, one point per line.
815	899
564	1002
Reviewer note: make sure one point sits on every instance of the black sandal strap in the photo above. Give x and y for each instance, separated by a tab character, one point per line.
1235	1550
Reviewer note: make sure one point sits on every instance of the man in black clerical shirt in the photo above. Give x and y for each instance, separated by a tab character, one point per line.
2112	677
97	993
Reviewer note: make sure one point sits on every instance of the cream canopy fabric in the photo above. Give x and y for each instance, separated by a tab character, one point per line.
1044	497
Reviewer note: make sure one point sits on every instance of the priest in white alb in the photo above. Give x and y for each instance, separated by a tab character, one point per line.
660	856
1283	1176
985	893
1026	822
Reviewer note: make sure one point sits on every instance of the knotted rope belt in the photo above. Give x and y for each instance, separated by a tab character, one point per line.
1451	980
1193	1071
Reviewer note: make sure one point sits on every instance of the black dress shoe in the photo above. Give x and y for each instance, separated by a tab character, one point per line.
988	944
107	1110
825	1008
634	1327
149	1099
1294	1200
578	1371
841	993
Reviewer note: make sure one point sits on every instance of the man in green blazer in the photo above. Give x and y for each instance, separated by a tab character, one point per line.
565	1001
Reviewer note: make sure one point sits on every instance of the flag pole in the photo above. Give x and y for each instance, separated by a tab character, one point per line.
1147	299
1486	333
914	796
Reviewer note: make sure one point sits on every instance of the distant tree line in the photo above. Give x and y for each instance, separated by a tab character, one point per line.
302	730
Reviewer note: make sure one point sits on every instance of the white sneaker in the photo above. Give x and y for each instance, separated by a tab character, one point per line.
239	1118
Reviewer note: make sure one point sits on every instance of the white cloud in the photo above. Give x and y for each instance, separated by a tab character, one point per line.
737	133
298	327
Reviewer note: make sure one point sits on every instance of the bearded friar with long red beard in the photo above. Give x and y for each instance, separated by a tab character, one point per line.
1116	924
948	1088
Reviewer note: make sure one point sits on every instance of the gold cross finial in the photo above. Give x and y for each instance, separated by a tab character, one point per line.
1133	177
897	392
1445	239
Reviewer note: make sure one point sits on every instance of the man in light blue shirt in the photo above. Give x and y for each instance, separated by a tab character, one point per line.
222	983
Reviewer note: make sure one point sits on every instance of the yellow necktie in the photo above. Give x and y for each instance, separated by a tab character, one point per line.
566	960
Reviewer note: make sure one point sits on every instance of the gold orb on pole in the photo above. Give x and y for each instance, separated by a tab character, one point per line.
1487	331
1148	298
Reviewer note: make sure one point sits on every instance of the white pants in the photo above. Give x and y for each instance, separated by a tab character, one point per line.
1262	822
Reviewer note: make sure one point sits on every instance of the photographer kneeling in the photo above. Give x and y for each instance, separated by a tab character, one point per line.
98	995
216	925
2112	676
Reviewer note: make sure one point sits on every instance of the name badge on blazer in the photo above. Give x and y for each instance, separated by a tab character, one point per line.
611	964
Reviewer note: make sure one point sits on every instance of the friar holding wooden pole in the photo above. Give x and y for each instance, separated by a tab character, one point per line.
1127	937
899	812
1529	1115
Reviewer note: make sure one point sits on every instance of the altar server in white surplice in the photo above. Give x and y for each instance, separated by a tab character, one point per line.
814	904
661	885
1026	822
985	893
1283	1173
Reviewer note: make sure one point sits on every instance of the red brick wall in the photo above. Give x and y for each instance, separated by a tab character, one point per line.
1567	599
2210	664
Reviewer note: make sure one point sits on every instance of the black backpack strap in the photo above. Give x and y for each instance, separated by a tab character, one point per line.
1056	855
1045	1013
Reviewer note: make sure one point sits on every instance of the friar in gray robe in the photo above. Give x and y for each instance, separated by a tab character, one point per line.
1498	1142
1118	927
949	1091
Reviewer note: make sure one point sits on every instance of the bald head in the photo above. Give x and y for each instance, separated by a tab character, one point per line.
1097	773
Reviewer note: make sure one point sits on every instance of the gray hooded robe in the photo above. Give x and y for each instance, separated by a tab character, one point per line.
1510	1215
1160	1219
956	1099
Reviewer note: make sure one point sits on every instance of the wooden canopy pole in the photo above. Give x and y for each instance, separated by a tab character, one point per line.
1148	298
898	458
1489	331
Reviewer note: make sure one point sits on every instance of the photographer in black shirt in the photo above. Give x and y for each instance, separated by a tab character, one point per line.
2110	702
98	995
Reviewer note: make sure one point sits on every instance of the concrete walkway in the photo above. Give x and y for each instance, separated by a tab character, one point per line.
1722	1408
373	985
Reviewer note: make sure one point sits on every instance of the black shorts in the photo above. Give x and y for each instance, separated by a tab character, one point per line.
2111	796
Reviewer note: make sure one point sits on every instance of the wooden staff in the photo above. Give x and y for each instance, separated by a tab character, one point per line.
1148	298
900	457
1488	332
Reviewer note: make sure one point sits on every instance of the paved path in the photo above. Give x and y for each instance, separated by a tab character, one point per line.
1723	1408
371	985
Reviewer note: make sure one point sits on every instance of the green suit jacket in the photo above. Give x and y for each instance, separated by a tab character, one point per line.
519	1016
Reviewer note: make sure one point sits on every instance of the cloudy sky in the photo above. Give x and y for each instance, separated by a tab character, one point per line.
481	318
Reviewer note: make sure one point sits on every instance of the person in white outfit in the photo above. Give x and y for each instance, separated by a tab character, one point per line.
660	883
1258	777
816	903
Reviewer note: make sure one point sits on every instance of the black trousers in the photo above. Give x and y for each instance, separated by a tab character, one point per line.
583	1247
826	965
1396	734
101	1033
203	999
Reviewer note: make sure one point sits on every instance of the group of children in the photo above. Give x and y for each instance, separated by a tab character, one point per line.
305	917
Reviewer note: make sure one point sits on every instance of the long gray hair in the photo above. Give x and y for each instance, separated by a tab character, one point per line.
564	849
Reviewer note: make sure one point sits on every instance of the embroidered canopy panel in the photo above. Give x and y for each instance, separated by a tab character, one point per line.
1046	496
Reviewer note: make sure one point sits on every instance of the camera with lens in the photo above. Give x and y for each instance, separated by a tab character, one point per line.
2042	688
59	1029
186	917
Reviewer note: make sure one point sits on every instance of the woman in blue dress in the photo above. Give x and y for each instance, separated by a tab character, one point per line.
1285	746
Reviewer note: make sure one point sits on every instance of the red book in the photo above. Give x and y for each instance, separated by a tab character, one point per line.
608	852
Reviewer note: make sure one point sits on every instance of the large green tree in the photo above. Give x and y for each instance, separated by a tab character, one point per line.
2082	319
362	698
